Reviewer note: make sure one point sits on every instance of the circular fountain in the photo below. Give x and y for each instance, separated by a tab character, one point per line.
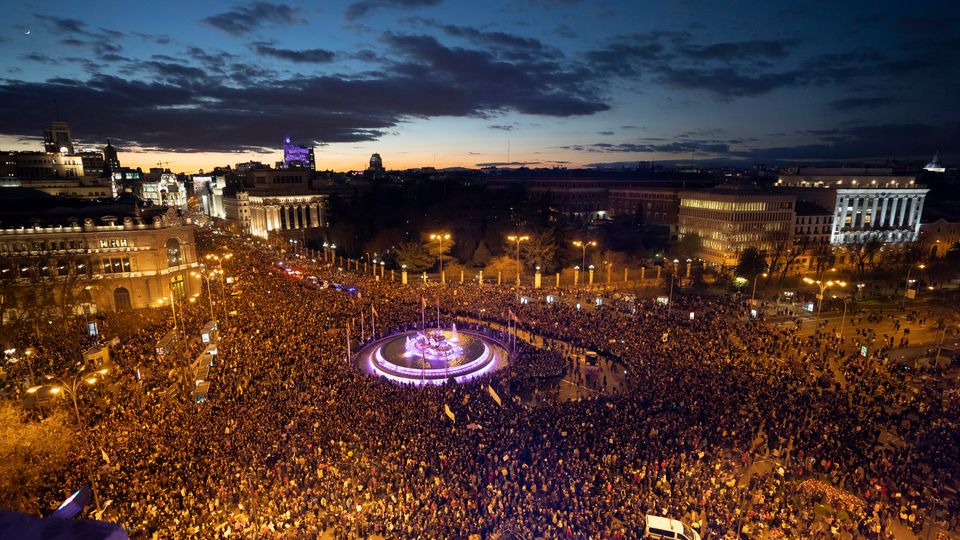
432	356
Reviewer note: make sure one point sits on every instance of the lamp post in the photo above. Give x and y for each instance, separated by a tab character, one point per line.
823	286
517	239
203	274
440	237
590	283
576	276
754	293
843	319
583	247
909	269
71	387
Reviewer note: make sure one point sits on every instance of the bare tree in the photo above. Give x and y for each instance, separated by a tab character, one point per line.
863	250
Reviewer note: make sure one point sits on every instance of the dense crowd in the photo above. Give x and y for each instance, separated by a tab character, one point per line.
723	420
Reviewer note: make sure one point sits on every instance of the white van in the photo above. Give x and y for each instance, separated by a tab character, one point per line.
661	528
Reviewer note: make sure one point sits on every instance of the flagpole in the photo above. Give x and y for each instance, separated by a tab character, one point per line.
348	342
362	332
373	323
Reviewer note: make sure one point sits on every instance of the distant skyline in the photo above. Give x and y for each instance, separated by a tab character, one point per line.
449	83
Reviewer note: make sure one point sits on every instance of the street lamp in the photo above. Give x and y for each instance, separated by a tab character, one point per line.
823	286
203	274
843	319
583	246
440	237
72	387
517	238
754	293
909	269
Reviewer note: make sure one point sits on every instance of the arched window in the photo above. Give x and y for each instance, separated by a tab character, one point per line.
173	252
121	299
176	286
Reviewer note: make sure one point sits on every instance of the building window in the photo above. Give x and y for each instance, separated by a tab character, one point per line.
121	299
173	252
176	287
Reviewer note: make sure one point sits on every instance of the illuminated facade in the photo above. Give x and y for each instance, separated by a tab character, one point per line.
282	213
298	156
866	204
91	257
728	220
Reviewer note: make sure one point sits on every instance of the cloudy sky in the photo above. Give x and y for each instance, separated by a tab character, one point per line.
464	83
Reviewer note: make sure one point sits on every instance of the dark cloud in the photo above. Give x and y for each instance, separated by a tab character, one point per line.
64	25
363	8
508	164
500	127
245	19
305	56
738	50
488	83
39	57
73	42
605	133
495	39
865	142
859	103
725	82
207	101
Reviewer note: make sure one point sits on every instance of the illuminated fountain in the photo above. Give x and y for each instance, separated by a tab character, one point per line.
432	356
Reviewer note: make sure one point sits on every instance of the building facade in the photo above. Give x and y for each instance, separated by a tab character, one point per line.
277	214
729	219
298	156
98	257
866	204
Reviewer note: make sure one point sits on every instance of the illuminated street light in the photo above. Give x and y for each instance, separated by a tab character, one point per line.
440	237
518	238
583	247
823	286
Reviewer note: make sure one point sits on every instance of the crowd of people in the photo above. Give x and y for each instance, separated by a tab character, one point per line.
722	421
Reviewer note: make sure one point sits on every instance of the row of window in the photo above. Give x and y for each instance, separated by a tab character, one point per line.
731	206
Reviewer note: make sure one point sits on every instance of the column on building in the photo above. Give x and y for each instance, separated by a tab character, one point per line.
840	218
873	210
882	222
904	204
915	222
892	217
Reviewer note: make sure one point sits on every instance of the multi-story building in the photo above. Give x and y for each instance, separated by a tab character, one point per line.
208	189
730	218
83	187
236	208
279	202
376	164
162	188
48	165
64	256
940	235
652	205
867	204
56	139
298	156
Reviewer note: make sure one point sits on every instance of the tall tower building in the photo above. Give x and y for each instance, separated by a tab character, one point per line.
376	164
57	138
110	159
297	155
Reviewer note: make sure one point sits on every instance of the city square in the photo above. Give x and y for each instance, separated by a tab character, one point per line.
251	289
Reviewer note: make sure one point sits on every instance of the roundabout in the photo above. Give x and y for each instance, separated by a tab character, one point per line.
432	356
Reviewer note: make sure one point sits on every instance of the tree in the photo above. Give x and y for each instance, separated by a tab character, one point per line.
32	455
751	263
798	249
778	252
434	247
481	255
823	257
540	250
863	249
507	266
414	255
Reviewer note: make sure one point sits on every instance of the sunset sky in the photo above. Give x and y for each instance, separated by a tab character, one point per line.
423	82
